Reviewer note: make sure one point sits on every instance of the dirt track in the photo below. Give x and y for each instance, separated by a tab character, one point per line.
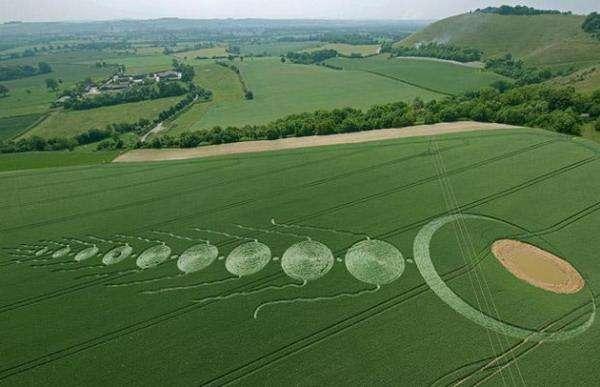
140	155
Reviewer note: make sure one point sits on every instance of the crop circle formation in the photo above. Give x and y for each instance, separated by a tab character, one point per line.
117	255
374	262
248	258
197	257
307	260
153	256
86	253
422	258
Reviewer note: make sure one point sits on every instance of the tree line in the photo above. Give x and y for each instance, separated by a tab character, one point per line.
591	24
437	50
135	93
557	109
8	73
521	10
311	57
514	68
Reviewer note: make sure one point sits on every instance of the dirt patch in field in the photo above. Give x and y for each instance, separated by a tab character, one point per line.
538	267
139	155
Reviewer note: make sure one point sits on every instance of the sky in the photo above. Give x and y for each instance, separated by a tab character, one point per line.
60	10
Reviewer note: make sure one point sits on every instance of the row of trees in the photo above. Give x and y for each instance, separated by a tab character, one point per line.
521	10
437	50
311	57
560	110
39	144
591	24
8	73
135	93
514	68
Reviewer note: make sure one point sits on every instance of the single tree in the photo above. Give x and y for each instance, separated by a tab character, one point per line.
51	84
44	68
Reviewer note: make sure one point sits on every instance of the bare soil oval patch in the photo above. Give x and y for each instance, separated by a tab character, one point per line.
538	267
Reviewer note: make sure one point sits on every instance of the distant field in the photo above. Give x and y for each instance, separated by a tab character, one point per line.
37	160
439	76
349	49
276	48
144	64
203	53
282	89
119	324
556	40
68	123
11	127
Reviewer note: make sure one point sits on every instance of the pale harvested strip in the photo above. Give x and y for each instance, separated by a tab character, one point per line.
139	155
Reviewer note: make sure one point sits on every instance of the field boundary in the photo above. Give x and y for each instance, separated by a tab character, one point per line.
141	155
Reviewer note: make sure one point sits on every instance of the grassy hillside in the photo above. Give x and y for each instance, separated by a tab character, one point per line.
439	76
586	80
540	40
282	89
120	325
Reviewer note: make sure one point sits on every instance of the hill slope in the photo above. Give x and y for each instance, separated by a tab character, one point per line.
551	40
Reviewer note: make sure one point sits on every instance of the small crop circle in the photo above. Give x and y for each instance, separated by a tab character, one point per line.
307	260
61	252
248	258
86	253
374	262
117	255
153	256
197	257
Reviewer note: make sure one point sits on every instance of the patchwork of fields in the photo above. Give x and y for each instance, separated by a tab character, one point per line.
284	88
120	324
440	77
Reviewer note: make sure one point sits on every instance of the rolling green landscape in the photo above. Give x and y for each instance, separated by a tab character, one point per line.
313	202
553	40
337	196
284	88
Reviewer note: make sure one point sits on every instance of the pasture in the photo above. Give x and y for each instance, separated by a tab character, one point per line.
217	51
68	123
75	240
11	127
276	48
285	88
443	77
30	95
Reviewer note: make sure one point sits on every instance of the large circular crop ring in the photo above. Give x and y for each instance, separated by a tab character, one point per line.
436	283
